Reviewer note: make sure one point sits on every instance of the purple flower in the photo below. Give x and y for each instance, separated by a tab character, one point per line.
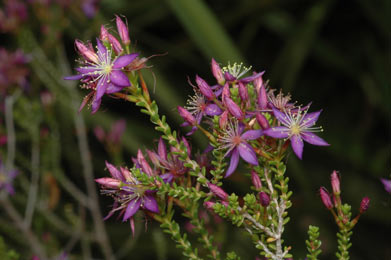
237	145
387	184
297	127
236	71
101	72
6	179
129	195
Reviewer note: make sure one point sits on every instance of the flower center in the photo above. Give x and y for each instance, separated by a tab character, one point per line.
236	140
107	69
295	129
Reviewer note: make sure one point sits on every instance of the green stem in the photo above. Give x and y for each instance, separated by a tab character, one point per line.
344	244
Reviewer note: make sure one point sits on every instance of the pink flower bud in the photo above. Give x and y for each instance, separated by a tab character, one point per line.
115	44
264	198
262	97
226	92
256	180
219	192
186	143
386	184
162	149
324	195
204	88
109	182
86	52
258	82
262	121
217	73
104	34
233	108
335	183
364	204
122	30
187	116
223	119
126	173
144	164
243	93
209	204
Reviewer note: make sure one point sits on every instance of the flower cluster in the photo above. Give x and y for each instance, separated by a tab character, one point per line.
104	71
249	113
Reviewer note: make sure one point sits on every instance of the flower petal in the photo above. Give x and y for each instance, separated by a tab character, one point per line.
247	153
233	163
310	119
252	78
74	77
95	105
119	78
297	145
149	203
313	139
111	88
131	209
213	110
233	108
114	171
101	88
252	134
277	132
282	117
123	61
102	51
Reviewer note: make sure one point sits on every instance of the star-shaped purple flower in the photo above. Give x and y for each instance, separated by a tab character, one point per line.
237	145
101	72
297	127
129	195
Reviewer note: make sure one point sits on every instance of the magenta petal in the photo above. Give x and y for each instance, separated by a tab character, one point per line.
162	149
101	88
310	119
132	208
277	132
119	78
102	51
74	77
252	78
297	145
228	76
281	117
114	171
86	70
124	60
95	105
233	163
111	88
313	139
213	110
386	184
149	203
247	153
252	134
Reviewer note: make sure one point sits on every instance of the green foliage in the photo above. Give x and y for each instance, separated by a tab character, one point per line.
7	254
313	244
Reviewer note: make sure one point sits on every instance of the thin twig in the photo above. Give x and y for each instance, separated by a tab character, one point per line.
33	241
33	190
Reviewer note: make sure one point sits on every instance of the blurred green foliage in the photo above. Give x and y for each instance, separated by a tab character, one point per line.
332	53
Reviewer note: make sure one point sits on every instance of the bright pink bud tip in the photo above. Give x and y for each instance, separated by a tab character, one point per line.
187	116
204	88
217	73
122	30
364	204
86	52
209	204
264	199
262	121
324	195
335	183
104	34
256	180
109	182
219	192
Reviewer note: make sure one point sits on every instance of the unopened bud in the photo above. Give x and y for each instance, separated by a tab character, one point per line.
364	205
86	52
204	88
115	44
324	195
144	164
262	121
223	120
233	108
219	192
264	198
256	180
386	184
335	184
217	73
209	204
122	30
104	34
243	93
187	116
109	182
262	97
